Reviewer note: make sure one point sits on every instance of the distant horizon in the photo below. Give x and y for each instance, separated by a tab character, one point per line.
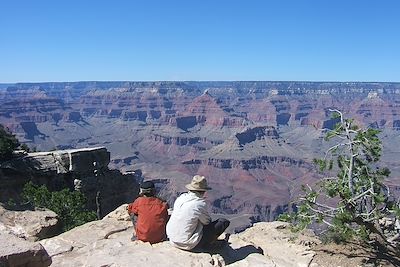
179	40
150	81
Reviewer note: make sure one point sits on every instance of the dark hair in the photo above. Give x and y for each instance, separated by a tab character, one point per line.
147	189
148	194
147	185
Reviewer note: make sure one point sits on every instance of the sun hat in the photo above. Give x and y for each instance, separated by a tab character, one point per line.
198	183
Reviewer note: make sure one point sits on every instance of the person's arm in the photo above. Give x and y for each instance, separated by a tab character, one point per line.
167	211
129	208
204	216
133	210
133	219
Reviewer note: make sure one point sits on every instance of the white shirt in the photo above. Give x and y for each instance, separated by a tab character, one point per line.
185	227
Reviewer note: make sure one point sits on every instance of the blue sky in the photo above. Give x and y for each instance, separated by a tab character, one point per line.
310	40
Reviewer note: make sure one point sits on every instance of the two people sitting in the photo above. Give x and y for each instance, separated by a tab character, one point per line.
189	227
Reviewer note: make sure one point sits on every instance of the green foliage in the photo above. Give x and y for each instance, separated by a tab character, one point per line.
11	203
8	143
332	235
285	217
396	211
357	190
294	217
336	115
69	206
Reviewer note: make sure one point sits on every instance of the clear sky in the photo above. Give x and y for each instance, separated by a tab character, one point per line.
281	40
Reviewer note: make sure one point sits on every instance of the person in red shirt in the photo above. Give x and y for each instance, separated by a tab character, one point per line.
151	214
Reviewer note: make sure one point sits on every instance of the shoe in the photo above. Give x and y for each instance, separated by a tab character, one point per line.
227	235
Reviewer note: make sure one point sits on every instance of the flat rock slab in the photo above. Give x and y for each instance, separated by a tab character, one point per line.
107	243
30	225
278	243
15	252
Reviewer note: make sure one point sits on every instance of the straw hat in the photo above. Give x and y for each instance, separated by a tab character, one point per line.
198	183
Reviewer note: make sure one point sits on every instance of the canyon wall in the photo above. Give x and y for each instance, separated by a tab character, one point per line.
255	141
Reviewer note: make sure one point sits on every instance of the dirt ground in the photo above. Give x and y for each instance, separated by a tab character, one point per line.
352	255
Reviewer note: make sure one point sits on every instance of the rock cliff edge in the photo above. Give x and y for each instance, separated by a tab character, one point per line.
107	243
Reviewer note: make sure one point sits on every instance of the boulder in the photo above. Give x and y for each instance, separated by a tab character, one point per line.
278	243
15	252
31	225
119	214
81	160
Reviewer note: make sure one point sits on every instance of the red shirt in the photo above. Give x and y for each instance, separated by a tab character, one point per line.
152	217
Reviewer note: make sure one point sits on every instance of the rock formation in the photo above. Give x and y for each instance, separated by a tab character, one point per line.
30	225
85	170
107	243
17	252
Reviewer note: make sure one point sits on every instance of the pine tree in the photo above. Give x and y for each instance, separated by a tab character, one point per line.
353	202
8	143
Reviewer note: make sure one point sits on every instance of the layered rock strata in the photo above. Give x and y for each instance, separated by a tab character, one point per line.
85	170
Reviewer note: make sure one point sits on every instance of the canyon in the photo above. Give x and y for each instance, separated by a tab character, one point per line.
254	141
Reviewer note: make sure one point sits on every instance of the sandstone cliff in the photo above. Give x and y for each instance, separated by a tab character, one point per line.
85	170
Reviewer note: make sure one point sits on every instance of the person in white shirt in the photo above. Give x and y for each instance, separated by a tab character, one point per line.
190	226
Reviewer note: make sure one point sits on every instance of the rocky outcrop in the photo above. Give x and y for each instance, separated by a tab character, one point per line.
17	252
30	225
255	163
85	170
174	140
107	243
205	110
256	133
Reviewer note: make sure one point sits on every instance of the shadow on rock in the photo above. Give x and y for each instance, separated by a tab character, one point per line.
230	254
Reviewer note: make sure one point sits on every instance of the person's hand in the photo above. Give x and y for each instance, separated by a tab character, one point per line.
170	210
133	237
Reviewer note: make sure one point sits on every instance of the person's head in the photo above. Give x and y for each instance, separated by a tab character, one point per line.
198	185
148	189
